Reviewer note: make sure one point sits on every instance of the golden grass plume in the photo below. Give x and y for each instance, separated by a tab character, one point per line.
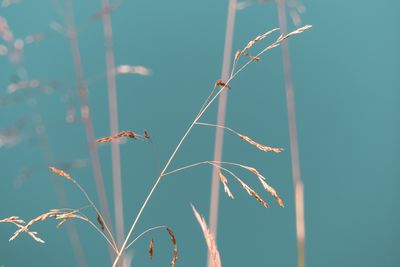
210	240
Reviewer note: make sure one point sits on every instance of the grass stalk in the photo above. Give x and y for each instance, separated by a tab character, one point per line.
294	147
203	109
113	113
85	114
219	134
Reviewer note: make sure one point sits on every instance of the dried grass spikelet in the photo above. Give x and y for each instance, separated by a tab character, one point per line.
100	221
25	228
254	58
12	219
298	31
210	240
69	215
58	214
224	181
173	240
146	136
266	186
221	83
260	146
257	39
151	248
61	173
128	134
253	193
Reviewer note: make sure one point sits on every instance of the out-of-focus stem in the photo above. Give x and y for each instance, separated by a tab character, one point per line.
113	113
85	114
219	135
40	131
294	149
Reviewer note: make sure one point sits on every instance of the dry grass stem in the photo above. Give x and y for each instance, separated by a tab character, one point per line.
260	177
245	138
173	240
145	232
68	177
210	240
224	181
203	109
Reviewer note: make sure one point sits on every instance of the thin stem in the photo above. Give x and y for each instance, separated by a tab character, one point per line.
218	126
294	151
161	174
96	209
82	91
113	111
148	230
186	167
219	134
101	232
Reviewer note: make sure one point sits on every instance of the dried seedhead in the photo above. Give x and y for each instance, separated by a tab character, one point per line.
173	240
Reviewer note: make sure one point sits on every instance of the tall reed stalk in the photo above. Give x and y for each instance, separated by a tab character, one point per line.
85	112
113	115
219	135
294	147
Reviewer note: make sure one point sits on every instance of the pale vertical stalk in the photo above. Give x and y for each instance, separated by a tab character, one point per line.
82	91
294	149
113	113
219	135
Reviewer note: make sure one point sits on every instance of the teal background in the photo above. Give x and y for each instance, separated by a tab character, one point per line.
345	71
